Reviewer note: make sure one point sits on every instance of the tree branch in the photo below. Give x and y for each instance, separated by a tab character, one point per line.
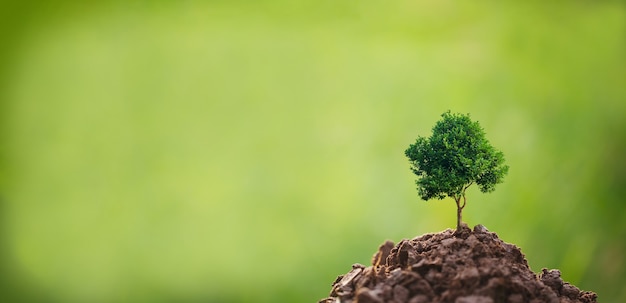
464	201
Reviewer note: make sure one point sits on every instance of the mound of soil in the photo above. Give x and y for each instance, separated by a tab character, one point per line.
470	266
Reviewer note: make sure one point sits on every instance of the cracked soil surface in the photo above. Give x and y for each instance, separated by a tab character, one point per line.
471	266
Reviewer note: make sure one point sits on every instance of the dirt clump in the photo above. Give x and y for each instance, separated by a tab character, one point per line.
470	266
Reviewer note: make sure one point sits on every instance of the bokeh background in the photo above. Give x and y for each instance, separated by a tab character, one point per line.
251	151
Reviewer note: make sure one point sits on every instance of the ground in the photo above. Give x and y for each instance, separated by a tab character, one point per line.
470	266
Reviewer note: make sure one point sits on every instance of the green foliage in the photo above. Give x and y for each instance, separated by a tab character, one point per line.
456	156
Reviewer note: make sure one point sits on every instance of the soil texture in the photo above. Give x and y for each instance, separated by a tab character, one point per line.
469	266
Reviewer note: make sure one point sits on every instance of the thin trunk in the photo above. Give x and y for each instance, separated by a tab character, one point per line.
459	209
458	214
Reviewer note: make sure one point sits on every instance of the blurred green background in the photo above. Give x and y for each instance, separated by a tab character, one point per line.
247	151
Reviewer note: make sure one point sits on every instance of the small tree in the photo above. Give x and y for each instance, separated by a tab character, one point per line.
456	156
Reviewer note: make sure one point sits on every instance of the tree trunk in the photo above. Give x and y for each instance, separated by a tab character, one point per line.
458	214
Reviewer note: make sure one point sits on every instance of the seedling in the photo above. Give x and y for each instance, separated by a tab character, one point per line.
456	156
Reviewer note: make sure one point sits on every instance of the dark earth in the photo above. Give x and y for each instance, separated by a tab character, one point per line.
469	266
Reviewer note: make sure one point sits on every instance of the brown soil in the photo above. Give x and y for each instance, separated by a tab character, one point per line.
457	267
